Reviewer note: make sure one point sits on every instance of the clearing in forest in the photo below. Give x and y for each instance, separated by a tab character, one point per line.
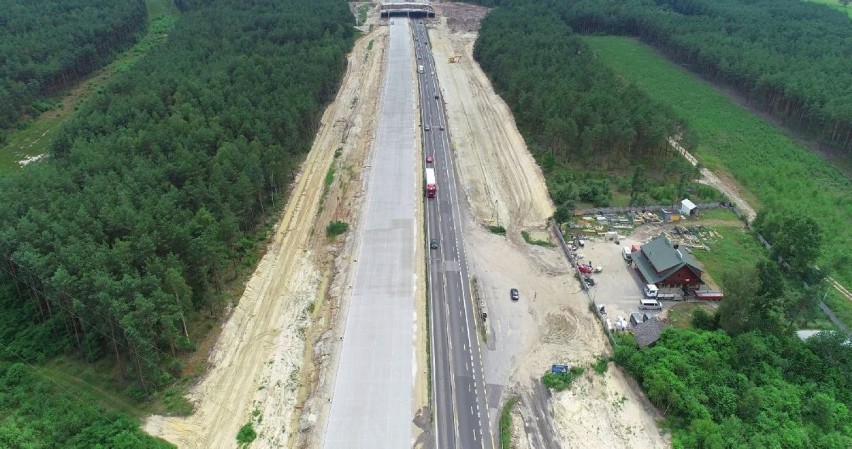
835	4
33	140
781	174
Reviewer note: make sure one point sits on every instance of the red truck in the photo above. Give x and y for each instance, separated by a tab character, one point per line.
431	185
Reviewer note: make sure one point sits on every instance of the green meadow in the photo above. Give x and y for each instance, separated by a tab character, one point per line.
846	9
778	173
34	137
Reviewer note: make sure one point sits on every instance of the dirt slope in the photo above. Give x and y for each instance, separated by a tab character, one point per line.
502	182
255	365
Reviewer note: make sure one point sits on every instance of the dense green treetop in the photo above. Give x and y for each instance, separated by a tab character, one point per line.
743	379
46	45
152	196
749	391
562	97
574	111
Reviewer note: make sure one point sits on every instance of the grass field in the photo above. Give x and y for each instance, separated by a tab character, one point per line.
836	5
781	174
841	307
35	138
732	247
680	315
85	379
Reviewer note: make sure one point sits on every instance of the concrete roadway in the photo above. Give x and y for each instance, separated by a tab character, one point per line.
372	402
459	396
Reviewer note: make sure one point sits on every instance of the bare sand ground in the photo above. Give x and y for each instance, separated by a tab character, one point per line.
552	322
599	412
502	182
256	365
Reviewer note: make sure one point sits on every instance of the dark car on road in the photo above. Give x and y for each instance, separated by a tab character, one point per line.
433	244
513	293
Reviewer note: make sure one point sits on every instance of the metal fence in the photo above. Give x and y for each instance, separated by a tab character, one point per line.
572	260
622	209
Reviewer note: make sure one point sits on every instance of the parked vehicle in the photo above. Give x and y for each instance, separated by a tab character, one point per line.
429	159
627	254
433	244
650	304
420	69
651	291
559	369
513	293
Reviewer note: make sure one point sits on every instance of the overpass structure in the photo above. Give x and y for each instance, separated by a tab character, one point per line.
406	9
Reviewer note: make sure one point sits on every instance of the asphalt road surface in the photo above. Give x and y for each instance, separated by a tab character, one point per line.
372	405
458	384
538	426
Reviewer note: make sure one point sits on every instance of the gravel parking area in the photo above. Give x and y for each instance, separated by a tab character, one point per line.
618	287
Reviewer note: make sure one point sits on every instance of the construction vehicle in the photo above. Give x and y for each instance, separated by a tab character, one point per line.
431	186
454	59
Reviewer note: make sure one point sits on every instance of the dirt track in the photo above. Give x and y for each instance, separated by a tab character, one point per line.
255	366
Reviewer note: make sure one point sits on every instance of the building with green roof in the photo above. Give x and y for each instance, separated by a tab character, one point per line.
663	264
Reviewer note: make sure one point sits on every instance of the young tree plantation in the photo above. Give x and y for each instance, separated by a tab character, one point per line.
789	57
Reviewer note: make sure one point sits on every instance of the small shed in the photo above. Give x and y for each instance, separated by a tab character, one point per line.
688	208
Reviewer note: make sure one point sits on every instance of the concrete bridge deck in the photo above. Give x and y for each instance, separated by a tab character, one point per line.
406	9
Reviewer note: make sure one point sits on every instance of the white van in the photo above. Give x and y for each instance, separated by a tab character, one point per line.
650	304
627	254
650	291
